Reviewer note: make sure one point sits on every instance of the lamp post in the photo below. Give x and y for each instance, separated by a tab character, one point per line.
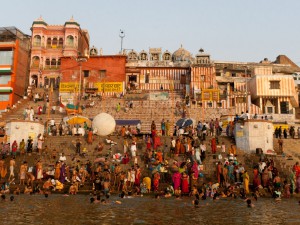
80	60
121	35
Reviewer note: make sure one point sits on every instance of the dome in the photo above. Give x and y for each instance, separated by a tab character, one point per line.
182	55
104	123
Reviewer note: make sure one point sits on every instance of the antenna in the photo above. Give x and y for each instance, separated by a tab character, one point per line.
121	35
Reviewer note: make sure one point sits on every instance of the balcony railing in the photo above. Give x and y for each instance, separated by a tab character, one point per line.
51	67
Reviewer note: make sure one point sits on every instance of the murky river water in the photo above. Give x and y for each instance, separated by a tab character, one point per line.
58	209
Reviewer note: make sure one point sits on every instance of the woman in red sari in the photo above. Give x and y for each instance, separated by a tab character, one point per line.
90	137
156	179
213	145
256	180
185	183
137	176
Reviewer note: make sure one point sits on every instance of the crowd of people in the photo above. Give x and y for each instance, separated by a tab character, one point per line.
168	162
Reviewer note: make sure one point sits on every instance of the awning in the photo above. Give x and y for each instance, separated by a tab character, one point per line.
6	90
127	122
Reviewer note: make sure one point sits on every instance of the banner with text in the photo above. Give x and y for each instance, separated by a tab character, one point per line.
109	87
102	87
69	87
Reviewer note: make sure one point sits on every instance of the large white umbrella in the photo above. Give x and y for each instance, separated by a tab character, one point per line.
104	124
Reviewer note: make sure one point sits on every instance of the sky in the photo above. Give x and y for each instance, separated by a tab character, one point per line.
230	30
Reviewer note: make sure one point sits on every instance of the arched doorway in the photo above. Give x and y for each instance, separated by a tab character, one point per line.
34	80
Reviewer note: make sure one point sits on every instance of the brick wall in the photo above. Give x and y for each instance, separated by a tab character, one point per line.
113	65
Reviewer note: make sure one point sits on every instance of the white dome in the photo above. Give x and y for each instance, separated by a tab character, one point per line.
104	123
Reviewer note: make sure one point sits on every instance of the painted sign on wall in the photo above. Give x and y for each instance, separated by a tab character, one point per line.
109	86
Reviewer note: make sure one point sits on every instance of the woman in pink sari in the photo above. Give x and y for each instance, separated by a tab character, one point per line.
176	180
195	169
185	183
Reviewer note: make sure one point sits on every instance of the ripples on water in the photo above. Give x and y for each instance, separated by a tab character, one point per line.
73	210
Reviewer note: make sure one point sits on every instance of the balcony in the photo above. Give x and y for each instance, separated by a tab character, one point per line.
51	67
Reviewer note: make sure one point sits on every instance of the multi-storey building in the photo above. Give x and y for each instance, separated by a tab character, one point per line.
157	70
96	74
14	62
50	43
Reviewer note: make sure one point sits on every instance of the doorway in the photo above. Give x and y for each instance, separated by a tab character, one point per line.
34	80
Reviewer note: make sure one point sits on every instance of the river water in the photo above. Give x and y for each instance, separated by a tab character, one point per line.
73	210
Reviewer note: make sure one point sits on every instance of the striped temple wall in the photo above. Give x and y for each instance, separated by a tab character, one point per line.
165	77
197	75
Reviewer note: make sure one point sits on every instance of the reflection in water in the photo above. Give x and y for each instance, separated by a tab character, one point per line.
58	209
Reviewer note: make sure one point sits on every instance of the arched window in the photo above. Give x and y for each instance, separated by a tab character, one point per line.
58	62
37	41
53	63
48	42
47	63
54	42
35	62
60	42
70	41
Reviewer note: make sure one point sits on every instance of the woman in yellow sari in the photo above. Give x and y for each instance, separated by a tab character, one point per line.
246	181
147	182
57	170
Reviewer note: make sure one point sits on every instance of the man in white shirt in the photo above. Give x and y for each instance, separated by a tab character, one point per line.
62	158
81	131
52	122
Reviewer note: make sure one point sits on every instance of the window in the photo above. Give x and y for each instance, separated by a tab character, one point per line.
102	74
269	109
48	42
5	79
274	84
219	104
37	40
35	62
6	57
60	42
53	62
58	62
209	104
47	62
54	42
70	41
4	98
284	107
233	74
147	79
86	73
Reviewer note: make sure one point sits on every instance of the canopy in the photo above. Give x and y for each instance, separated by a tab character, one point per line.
127	122
184	122
77	120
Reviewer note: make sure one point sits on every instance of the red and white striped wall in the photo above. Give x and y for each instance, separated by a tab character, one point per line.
206	72
165	77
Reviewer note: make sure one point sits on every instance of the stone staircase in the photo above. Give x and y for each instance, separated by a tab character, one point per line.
144	110
291	155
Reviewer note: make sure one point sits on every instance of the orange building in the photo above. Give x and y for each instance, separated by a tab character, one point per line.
103	75
14	61
50	43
